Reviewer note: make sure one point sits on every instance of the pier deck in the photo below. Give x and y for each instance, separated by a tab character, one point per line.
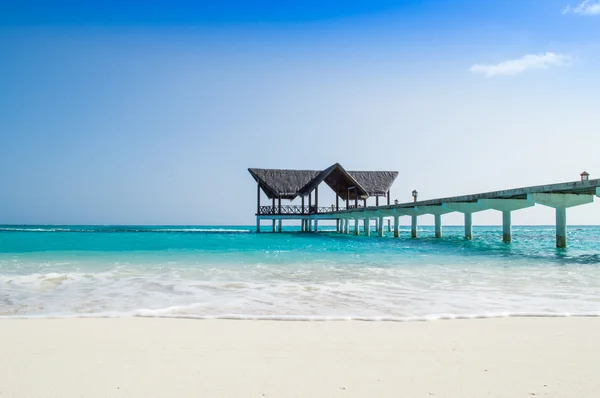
558	196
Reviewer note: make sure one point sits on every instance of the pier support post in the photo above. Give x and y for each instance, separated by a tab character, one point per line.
438	225
467	208
280	225
506	206
413	226
561	227
316	225
367	226
347	226
468	226
506	226
396	226
274	223
389	224
356	227
257	225
380	229
560	202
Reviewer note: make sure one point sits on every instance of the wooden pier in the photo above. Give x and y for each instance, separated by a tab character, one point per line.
355	189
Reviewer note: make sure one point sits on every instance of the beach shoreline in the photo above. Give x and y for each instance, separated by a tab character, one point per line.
158	357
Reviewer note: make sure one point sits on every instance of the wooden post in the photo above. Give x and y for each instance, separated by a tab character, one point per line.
280	209
303	204
364	203
337	202
258	199
377	201
273	210
258	208
309	202
317	199
388	197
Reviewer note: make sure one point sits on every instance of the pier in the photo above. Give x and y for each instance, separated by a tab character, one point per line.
355	189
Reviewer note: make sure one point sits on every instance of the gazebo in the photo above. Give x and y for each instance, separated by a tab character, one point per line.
352	187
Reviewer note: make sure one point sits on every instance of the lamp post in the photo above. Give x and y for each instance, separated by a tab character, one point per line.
414	194
585	176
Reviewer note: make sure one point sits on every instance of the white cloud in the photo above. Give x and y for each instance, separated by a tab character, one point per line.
586	7
516	66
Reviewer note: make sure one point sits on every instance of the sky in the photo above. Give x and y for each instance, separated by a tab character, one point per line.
120	112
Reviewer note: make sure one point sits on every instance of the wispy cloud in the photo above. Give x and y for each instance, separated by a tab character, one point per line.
516	66
586	7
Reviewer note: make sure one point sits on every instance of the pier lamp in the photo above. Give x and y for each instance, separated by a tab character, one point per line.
414	194
585	176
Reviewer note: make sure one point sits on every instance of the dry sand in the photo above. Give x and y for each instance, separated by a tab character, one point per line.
517	357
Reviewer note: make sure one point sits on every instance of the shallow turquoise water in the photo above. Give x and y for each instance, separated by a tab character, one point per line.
232	272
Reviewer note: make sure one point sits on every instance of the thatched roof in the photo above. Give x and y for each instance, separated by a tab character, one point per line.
288	184
282	183
339	181
376	183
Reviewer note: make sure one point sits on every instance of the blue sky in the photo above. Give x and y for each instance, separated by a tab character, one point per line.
151	112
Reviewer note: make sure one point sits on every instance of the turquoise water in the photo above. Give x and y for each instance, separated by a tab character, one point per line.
232	272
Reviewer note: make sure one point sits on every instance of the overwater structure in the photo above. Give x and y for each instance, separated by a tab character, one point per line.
354	188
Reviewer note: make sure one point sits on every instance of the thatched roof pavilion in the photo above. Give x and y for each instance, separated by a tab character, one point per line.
348	185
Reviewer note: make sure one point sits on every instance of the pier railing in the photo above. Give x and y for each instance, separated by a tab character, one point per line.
296	210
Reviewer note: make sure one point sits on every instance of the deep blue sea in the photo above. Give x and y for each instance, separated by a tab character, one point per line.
233	272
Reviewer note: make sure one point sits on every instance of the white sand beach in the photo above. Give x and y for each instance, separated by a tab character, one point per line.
138	357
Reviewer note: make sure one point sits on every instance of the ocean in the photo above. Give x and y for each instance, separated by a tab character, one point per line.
235	273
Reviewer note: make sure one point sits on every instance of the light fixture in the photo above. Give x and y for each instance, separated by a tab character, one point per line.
585	176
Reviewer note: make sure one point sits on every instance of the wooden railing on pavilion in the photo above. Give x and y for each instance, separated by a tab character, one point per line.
287	210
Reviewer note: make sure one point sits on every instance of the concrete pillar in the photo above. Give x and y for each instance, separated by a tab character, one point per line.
337	223
368	226
347	226
396	226
389	224
506	206
356	227
468	226
413	226
316	225
561	227
257	225
280	225
506	226
438	225
380	229
274	223
561	202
